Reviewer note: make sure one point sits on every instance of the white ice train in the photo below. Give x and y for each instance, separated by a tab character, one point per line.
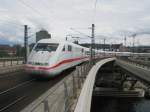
50	57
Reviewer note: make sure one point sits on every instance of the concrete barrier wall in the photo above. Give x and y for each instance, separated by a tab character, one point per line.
60	97
4	62
8	65
84	101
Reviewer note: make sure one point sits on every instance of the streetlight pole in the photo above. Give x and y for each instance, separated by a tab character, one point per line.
104	46
125	40
26	41
133	43
92	44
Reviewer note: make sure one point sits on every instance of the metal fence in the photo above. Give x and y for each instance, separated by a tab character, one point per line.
62	97
4	62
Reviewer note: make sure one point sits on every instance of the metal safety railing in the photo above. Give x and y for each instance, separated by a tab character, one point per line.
4	62
61	97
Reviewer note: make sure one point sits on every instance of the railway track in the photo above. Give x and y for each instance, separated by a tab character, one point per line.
24	90
12	79
17	86
10	74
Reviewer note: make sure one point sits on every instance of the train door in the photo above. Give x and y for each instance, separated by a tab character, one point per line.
62	53
63	56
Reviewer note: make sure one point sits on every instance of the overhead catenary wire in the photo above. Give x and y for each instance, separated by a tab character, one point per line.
33	9
80	32
8	21
37	12
94	13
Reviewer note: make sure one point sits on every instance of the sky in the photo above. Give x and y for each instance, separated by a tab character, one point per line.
113	19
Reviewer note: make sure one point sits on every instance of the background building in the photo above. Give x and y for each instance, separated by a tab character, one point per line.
6	50
42	34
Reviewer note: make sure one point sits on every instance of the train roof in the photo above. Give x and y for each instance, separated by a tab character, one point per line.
49	41
59	42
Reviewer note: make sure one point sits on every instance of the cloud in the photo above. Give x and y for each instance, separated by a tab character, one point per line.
145	19
111	17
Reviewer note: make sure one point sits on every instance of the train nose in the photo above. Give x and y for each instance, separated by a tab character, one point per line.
40	57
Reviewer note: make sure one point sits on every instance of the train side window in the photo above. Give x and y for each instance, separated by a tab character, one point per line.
63	48
82	50
69	48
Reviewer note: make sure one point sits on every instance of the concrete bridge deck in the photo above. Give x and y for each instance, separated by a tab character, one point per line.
137	71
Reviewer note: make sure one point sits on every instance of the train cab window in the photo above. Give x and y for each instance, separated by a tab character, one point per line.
46	47
69	48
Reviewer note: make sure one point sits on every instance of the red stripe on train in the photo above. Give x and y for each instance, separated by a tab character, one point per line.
58	64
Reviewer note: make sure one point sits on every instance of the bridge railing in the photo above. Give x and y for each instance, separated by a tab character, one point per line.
4	62
61	97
